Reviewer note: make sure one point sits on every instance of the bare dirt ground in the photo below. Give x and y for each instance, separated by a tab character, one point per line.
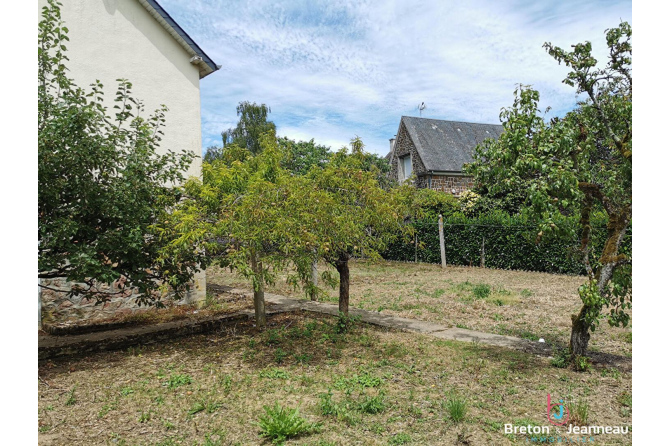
524	304
211	389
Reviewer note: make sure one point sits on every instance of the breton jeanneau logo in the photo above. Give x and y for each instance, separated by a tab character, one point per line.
557	414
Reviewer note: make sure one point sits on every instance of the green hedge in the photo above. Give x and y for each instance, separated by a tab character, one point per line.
509	244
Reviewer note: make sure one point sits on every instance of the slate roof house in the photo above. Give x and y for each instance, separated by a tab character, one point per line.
139	41
435	151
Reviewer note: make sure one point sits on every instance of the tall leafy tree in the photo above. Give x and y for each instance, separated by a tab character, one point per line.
247	213
381	168
212	153
355	217
102	183
580	162
252	124
251	214
300	156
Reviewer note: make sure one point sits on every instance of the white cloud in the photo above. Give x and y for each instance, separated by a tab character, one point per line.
331	70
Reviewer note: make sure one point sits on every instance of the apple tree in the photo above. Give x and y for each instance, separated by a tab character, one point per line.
580	163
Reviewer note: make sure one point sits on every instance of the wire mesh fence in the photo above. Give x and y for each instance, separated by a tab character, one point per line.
501	242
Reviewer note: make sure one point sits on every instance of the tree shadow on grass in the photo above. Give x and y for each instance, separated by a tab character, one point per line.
290	339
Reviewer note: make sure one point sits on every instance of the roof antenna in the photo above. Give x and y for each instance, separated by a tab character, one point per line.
422	107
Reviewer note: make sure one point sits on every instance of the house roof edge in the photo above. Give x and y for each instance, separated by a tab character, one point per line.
207	66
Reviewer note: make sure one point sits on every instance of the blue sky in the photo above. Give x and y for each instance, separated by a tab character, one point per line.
331	70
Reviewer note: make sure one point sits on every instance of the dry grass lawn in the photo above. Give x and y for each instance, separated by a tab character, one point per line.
525	304
368	386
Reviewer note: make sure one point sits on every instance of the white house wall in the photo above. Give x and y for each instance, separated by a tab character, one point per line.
112	39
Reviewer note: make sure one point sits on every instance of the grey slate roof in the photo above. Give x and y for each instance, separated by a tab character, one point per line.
444	146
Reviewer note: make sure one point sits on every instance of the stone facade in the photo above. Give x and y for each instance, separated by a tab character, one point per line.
455	185
57	307
404	147
445	183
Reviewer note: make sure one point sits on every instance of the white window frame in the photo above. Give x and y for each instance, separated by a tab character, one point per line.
402	163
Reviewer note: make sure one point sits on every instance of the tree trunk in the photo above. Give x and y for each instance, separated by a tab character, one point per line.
315	278
610	259
259	292
259	304
580	336
342	266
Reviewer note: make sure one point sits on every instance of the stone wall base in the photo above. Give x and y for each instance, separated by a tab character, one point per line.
57	307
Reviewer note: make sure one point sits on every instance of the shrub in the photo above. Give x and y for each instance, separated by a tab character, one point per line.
326	404
177	380
345	323
103	185
274	373
280	355
579	412
432	203
279	424
625	399
582	363
481	291
372	404
401	438
457	408
510	243
71	399
562	359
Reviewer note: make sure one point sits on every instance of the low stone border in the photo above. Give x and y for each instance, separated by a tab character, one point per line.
74	329
50	347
